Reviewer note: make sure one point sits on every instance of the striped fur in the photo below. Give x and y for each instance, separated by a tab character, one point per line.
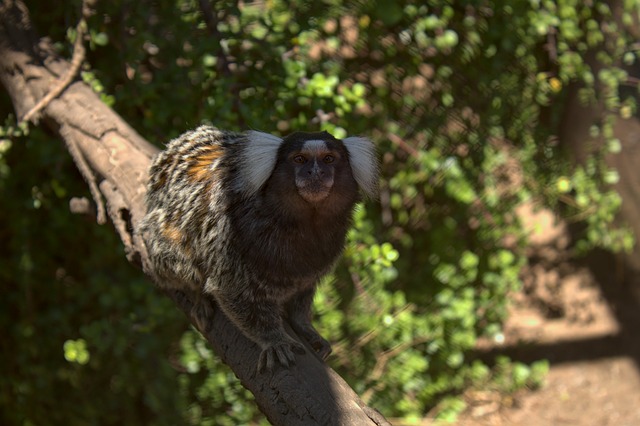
227	223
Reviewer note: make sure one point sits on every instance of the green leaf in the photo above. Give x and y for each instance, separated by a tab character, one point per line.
101	39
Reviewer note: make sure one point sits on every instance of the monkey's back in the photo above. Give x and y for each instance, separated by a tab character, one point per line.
186	202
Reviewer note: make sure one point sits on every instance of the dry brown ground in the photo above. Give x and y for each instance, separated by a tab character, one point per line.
580	317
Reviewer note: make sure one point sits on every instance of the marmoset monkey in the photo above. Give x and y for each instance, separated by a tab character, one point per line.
253	221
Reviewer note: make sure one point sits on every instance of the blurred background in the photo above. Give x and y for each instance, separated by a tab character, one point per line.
494	277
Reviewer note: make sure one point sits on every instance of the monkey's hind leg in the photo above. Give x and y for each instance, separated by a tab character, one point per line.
298	311
202	307
259	319
202	311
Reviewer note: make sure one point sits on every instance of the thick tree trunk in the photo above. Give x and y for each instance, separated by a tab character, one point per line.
114	160
575	136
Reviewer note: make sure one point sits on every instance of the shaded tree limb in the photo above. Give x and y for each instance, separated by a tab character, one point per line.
112	154
70	74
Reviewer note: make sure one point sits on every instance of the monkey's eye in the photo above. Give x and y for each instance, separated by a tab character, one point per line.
299	159
328	159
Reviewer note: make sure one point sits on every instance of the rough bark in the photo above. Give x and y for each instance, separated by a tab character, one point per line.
114	158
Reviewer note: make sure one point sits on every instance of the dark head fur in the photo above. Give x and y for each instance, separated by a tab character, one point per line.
305	203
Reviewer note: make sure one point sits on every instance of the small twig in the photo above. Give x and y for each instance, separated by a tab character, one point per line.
397	140
76	62
551	45
631	81
209	17
383	360
370	335
89	176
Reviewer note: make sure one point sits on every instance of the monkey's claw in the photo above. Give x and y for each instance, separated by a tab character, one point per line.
281	353
322	347
319	344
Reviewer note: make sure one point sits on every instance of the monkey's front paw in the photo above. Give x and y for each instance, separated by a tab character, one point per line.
282	353
317	342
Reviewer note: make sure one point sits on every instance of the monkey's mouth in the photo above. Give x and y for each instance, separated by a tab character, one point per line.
314	192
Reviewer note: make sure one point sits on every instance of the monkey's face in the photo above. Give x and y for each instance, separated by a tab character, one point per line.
314	169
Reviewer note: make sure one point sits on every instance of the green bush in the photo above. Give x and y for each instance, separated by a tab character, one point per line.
464	103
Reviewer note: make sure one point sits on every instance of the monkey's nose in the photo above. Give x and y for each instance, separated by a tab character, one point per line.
316	171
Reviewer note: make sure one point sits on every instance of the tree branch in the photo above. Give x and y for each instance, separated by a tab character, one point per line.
76	62
116	158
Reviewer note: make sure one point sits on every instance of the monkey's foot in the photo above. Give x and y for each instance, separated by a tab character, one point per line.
320	345
282	353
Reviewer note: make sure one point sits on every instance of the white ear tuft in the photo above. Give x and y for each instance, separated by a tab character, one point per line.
364	164
257	160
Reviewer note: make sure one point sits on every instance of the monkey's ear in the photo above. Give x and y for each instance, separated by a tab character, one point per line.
364	164
257	160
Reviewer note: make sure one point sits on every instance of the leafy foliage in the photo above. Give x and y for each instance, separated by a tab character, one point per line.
464	101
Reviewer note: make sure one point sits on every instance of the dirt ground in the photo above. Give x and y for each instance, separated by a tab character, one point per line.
584	319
